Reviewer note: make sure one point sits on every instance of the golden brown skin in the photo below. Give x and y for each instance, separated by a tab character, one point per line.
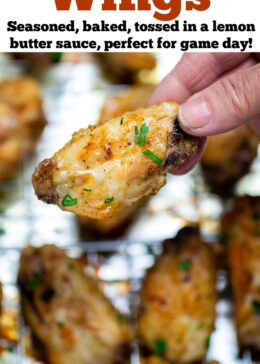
228	157
69	315
11	144
129	99
178	300
124	67
241	226
23	96
107	160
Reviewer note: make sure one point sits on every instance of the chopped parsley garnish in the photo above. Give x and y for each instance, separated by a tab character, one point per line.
56	56
200	325
121	318
159	347
60	323
255	306
144	131
223	239
108	200
137	141
151	155
34	283
207	344
185	264
150	250
2	231
69	201
10	348
87	189
70	266
121	121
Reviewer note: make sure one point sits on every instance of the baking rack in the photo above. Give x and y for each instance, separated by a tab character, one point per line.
118	264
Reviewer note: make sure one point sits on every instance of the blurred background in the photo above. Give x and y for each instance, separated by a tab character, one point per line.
44	98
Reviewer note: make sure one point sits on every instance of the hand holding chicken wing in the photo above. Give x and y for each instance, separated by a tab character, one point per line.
106	168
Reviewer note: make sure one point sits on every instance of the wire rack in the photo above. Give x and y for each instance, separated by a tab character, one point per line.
73	95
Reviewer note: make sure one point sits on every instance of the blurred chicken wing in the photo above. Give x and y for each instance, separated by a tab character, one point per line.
23	96
104	169
241	228
11	146
68	314
123	67
228	157
129	99
178	300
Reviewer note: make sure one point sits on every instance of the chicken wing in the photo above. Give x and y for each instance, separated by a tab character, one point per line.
124	67
106	168
178	300
228	157
23	95
70	316
241	228
11	144
128	100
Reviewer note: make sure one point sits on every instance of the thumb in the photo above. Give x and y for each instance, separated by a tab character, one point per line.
226	104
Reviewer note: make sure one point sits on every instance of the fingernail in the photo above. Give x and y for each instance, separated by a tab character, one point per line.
195	114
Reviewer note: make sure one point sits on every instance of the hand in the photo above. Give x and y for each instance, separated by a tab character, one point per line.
218	92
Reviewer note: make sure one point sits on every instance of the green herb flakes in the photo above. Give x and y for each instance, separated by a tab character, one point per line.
151	155
223	239
34	283
121	318
159	347
255	306
137	141
87	189
185	264
70	266
60	323
144	132
121	121
109	200
207	344
10	347
200	325
69	201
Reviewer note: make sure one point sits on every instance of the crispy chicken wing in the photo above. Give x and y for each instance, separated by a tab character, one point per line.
106	168
23	96
241	226
124	67
228	157
178	300
70	316
128	100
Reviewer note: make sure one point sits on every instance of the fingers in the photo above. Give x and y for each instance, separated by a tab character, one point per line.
193	73
228	103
